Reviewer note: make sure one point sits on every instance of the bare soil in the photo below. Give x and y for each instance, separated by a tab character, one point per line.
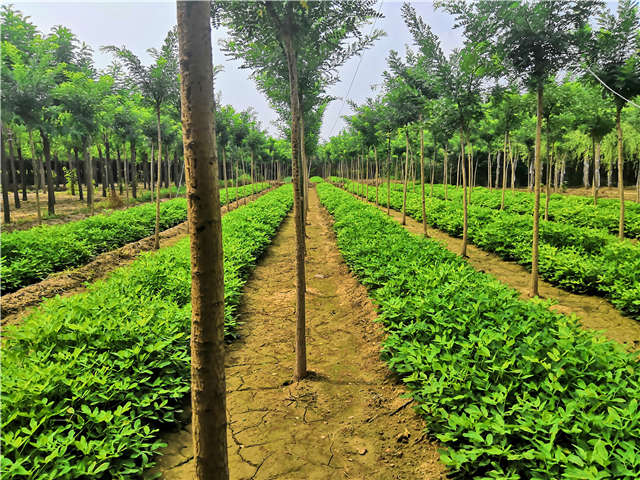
15	306
348	419
68	208
594	313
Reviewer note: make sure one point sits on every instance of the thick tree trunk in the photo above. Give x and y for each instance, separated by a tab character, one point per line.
620	173
36	175
209	423
464	198
406	177
298	211
424	208
156	240
533	292
585	171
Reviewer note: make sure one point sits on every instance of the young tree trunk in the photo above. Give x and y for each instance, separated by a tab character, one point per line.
458	172
548	182
23	172
620	173
596	172
464	197
224	173
497	176
424	208
103	163
389	176
36	175
489	172
126	174
6	209
366	177
209	422
303	157
298	210
406	177
433	170
14	175
533	292
46	150
156	240
375	156
585	171
446	171
119	170
89	176
504	169
151	171
134	166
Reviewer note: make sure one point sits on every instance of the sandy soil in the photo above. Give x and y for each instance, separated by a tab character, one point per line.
594	312
15	306
348	419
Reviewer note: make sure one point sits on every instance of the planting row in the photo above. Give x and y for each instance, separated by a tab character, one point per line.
577	259
512	389
567	209
29	256
88	380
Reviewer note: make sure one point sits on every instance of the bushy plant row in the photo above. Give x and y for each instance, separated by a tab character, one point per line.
88	380
576	259
512	389
28	256
567	209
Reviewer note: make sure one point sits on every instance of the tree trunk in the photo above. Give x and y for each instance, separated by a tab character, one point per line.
134	167
375	156
104	171
119	170
446	172
536	205
151	172
620	173
89	176
6	209
224	173
209	422
548	182
14	176
496	181
504	169
585	171
596	172
406	177
126	174
303	156
389	176
23	173
424	208
489	172
464	197
156	241
36	175
298	210
46	150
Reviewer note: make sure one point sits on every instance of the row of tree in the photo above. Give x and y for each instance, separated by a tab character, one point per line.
473	102
65	124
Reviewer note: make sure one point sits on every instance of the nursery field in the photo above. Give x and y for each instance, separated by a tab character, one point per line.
576	258
248	260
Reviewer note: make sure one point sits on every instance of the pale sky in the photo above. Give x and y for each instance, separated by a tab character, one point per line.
141	25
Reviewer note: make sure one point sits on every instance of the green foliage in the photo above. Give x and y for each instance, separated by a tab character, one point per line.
28	256
89	380
577	259
512	389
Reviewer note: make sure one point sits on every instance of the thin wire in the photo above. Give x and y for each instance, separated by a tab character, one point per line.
355	73
611	89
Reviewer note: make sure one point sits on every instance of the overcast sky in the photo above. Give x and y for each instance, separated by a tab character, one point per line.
142	25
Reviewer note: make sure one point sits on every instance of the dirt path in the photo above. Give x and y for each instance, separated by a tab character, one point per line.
16	305
348	419
595	312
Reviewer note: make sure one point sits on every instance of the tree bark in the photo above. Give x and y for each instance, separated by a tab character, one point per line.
596	172
156	240
620	173
406	177
46	150
134	166
464	198
533	292
6	209
489	171
209	423
504	169
36	175
375	155
89	176
14	176
424	208
23	172
446	171
298	210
